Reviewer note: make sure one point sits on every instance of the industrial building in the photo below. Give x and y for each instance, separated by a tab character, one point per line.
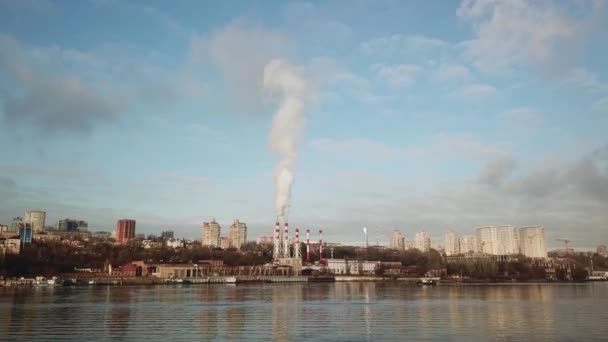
352	267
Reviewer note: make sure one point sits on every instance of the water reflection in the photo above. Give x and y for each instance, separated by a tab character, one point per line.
118	312
235	313
208	320
341	311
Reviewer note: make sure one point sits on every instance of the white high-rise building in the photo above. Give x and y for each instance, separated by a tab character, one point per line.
37	218
532	242
468	243
498	240
211	234
397	241
238	234
423	241
452	243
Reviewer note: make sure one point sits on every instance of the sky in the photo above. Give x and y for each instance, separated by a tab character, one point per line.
419	115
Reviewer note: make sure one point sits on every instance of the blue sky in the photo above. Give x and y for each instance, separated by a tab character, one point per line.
423	115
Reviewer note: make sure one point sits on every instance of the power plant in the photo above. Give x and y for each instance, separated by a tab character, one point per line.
287	252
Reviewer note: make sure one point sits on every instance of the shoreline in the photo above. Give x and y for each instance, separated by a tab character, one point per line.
226	280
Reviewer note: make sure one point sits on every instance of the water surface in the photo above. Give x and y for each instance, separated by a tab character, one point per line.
321	312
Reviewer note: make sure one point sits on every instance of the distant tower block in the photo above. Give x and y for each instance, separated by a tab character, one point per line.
296	247
307	245
286	251
277	243
320	245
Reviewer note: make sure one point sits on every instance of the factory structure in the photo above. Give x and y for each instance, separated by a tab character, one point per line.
287	252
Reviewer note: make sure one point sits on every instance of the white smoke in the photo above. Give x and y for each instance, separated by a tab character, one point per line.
287	123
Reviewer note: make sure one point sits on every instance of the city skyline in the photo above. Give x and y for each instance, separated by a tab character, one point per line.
154	115
396	240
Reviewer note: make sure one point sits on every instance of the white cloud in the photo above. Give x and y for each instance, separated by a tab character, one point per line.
240	52
447	72
568	199
584	79
398	76
53	101
522	115
326	74
474	92
516	33
495	172
398	44
440	147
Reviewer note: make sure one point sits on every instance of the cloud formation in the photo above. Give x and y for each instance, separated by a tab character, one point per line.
522	115
512	34
240	52
52	102
568	198
397	76
496	171
476	92
398	44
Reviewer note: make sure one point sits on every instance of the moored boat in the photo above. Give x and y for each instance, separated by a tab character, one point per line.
426	282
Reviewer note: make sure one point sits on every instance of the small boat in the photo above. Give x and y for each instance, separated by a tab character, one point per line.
91	282
230	280
426	282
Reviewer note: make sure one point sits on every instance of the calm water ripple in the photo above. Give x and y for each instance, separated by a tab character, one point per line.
319	312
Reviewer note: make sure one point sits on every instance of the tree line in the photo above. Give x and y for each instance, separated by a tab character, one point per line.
52	258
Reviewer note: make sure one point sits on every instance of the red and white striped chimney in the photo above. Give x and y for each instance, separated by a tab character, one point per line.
320	244
286	242
296	247
308	245
277	242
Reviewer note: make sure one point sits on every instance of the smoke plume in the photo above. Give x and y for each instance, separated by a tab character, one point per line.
287	123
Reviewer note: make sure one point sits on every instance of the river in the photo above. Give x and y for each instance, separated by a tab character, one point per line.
366	311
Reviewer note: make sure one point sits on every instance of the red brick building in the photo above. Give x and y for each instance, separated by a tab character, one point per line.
125	230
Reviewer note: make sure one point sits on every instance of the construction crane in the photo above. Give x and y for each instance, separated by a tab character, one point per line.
566	242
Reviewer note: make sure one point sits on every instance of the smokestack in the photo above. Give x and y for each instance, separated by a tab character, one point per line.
320	245
276	254
308	245
286	252
296	249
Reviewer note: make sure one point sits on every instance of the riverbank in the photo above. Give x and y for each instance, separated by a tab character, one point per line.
93	281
